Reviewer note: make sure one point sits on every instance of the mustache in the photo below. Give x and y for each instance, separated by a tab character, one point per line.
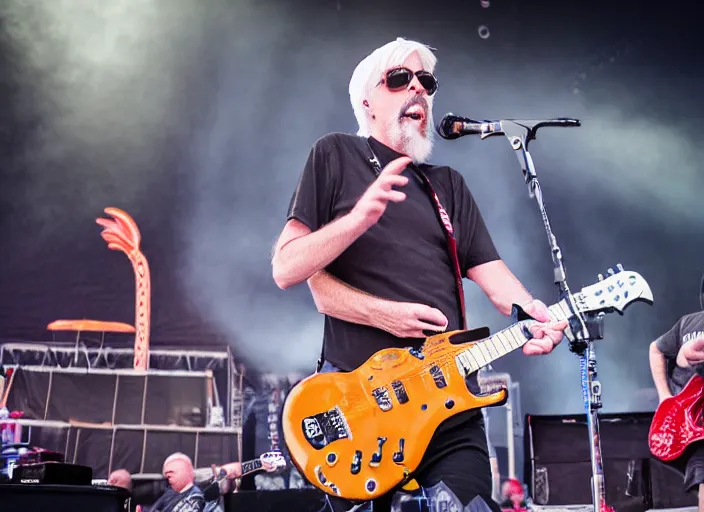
415	100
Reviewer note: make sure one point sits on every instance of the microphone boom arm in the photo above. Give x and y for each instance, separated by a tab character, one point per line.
583	329
526	129
519	134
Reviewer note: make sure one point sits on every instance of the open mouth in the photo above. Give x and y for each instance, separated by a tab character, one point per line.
414	112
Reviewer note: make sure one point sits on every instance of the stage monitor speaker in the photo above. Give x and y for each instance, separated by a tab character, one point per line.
290	500
43	498
667	488
558	463
52	473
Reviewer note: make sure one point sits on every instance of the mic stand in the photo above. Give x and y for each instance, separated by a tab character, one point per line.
583	329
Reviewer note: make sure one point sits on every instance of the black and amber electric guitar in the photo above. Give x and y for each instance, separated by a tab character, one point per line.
358	435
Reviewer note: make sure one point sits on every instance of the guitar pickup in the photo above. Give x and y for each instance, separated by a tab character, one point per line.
383	400
399	391
438	377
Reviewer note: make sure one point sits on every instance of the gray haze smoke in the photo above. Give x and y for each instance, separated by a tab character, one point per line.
251	86
105	77
600	181
248	156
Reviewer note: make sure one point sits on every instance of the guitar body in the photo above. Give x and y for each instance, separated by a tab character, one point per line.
359	434
678	422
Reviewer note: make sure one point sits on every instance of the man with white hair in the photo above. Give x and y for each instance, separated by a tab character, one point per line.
384	239
183	495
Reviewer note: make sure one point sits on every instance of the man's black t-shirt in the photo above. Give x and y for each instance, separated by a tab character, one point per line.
688	328
404	257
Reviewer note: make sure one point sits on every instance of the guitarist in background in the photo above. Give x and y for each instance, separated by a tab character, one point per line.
674	359
364	228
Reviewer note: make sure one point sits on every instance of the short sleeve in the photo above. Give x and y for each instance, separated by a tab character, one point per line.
669	343
474	244
312	201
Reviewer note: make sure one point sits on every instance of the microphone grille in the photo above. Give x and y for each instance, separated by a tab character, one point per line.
446	127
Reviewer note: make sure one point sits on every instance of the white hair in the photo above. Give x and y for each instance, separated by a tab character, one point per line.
368	73
178	456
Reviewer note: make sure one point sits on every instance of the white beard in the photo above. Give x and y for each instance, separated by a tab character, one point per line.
406	136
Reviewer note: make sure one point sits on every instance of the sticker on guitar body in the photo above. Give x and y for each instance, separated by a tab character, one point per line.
325	428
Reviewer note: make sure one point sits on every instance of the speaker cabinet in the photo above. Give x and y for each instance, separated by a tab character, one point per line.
558	463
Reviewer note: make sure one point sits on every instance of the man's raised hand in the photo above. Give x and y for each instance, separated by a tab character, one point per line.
372	205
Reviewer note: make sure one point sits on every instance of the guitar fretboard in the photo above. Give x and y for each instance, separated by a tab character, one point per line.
484	352
251	466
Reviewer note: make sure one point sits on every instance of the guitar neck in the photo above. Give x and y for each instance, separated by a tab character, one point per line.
484	352
251	466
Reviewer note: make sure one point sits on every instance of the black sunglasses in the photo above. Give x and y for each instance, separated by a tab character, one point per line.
398	78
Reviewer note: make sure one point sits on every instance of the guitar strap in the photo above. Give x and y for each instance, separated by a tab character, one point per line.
446	224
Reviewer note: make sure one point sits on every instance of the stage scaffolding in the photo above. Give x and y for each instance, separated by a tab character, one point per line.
46	375
227	374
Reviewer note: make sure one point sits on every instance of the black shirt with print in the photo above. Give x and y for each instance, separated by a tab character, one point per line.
688	328
404	257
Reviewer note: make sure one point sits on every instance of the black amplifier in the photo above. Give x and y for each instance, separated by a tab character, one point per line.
55	473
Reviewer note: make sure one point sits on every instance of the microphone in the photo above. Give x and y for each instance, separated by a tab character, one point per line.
452	127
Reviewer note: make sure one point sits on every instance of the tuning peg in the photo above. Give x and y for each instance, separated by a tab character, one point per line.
611	272
619	267
601	277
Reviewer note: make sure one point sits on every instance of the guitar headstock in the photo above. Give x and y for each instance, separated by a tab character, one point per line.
276	459
615	292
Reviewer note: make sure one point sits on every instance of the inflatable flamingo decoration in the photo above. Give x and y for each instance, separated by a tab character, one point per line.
121	234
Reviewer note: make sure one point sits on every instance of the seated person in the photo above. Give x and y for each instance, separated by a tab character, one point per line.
121	478
183	495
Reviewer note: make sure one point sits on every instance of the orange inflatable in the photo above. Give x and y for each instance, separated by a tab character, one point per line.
121	234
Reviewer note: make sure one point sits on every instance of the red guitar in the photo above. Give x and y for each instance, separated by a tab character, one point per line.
678	422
